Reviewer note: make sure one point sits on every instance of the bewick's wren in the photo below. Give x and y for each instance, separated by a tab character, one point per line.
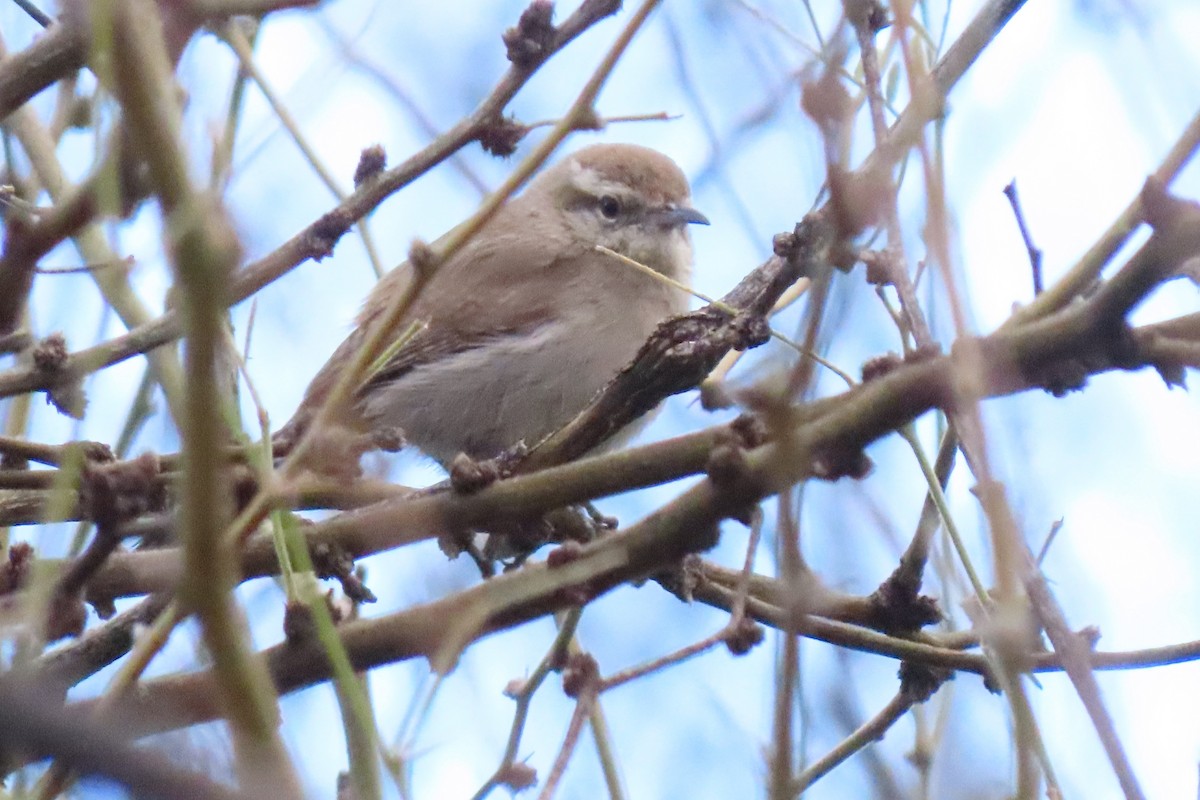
528	321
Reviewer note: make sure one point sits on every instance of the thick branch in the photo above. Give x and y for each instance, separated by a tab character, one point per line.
55	55
36	725
1071	344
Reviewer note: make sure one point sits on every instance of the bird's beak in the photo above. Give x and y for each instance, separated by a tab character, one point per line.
674	216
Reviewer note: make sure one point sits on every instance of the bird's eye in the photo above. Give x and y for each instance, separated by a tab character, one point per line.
610	207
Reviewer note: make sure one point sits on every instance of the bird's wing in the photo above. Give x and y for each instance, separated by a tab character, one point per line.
432	344
456	315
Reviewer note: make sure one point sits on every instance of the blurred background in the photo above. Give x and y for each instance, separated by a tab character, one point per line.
1077	101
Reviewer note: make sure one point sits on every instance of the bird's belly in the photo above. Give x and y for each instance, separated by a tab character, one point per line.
510	389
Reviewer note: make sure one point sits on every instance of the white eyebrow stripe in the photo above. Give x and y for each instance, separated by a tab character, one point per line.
590	182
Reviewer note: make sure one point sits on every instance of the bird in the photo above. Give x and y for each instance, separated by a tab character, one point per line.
520	328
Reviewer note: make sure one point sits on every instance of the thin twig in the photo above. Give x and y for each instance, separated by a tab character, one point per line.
870	731
523	696
583	707
232	34
1035	254
204	252
1087	269
1075	652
